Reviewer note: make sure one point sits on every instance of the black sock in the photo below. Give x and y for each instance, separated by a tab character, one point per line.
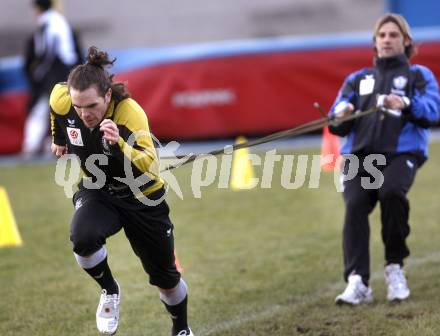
178	315
103	276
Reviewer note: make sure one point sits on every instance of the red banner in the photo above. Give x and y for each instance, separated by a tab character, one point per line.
12	117
247	94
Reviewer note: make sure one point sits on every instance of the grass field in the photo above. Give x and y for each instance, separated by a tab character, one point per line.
258	262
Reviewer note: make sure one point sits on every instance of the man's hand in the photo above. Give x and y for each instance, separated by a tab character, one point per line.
110	130
343	109
394	102
58	150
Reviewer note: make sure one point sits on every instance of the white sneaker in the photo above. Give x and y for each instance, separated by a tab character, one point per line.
184	332
355	292
397	287
107	314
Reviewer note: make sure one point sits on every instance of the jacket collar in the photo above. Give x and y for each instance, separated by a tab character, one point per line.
387	63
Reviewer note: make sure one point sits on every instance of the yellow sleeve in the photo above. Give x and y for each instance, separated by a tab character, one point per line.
135	139
60	101
60	104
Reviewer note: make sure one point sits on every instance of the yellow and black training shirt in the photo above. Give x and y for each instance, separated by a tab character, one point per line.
135	149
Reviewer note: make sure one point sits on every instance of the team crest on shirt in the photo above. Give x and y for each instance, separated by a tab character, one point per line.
399	82
74	135
106	147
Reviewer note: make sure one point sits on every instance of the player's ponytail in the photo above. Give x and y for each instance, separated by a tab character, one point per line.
99	58
93	72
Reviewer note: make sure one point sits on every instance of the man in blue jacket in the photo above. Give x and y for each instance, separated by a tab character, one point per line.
407	96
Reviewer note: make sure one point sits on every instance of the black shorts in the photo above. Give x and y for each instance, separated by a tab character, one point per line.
99	215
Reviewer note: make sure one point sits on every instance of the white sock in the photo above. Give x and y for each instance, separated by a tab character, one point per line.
177	296
91	260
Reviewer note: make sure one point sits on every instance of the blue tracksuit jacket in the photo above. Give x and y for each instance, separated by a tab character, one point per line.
383	133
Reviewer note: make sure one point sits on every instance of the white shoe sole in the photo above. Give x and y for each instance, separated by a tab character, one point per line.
397	299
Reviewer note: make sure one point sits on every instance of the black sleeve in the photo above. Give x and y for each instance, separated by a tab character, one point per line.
58	137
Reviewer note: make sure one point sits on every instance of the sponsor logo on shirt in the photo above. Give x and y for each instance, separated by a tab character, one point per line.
366	85
75	137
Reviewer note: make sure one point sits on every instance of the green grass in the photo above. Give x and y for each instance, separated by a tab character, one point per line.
258	262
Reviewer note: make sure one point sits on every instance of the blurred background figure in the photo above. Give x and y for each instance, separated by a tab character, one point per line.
51	52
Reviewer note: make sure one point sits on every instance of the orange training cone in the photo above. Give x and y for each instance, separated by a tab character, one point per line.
329	150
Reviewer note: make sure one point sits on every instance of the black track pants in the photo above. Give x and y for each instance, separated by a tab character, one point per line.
399	173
